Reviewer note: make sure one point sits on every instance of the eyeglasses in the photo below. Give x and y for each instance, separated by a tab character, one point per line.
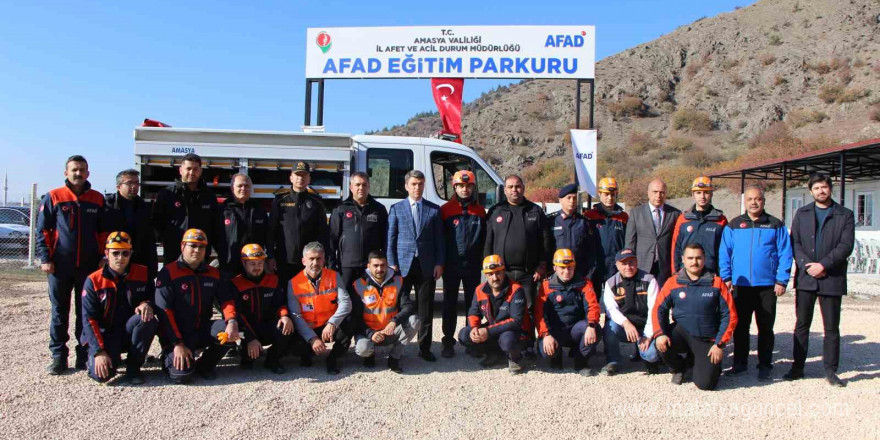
120	253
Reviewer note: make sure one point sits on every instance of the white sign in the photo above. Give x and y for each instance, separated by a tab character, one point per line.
584	146
558	52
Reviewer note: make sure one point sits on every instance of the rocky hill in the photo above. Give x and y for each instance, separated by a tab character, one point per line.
698	95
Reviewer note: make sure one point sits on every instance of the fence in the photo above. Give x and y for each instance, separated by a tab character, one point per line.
18	232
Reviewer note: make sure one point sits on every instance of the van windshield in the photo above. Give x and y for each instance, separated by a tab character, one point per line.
444	165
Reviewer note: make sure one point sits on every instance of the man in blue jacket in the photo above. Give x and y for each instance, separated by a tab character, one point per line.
755	256
416	251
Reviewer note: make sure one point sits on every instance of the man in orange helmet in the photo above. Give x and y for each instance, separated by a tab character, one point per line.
118	314
497	320
609	220
262	305
464	222
567	314
186	291
702	224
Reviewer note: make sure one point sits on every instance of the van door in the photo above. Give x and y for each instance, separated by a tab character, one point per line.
387	168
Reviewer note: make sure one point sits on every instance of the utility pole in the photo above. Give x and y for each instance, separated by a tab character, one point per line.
6	189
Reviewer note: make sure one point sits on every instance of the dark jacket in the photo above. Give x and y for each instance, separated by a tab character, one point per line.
295	220
511	315
651	245
138	227
702	227
838	239
577	235
537	238
464	226
109	300
366	288
242	224
177	209
187	297
71	229
560	305
355	232
259	301
704	308
611	226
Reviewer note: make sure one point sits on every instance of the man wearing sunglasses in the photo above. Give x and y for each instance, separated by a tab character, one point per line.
567	314
127	211
703	224
117	310
186	291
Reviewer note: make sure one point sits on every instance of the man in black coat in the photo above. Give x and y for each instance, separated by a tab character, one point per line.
244	222
822	236
188	204
127	211
358	227
518	231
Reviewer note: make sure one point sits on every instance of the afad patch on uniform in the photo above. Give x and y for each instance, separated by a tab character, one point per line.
84	293
690	228
455	222
228	222
245	297
370	299
102	296
742	225
682	295
559	298
177	204
498	219
348	214
184	286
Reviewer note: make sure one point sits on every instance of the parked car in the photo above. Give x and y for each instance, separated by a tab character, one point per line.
14	231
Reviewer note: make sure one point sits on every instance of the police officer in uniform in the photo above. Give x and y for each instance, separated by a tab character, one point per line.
571	230
296	218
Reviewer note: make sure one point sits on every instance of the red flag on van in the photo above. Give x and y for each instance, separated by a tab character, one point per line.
152	123
447	96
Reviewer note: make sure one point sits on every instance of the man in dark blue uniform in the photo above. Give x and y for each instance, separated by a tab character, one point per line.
572	231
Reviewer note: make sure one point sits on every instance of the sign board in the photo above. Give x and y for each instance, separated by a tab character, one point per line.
548	52
584	145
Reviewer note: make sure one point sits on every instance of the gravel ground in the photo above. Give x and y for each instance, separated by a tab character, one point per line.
449	399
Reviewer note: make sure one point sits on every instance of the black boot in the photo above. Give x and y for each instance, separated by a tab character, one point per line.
370	361
394	365
58	366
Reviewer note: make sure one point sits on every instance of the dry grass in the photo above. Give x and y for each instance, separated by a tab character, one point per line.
692	120
800	117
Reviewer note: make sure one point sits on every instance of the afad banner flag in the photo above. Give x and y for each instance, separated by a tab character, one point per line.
515	52
584	145
447	95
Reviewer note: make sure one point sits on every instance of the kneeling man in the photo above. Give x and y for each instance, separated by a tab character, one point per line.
381	315
704	315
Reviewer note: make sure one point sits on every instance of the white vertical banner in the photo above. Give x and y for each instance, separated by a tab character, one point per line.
584	147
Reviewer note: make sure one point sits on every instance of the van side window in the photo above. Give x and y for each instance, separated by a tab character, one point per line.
387	168
444	165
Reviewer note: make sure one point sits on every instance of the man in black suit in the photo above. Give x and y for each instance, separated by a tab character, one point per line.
649	232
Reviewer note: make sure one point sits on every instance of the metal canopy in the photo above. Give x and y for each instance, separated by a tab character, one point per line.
854	162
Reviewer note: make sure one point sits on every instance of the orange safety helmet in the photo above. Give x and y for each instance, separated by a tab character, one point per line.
118	240
195	236
253	252
702	183
465	177
608	185
492	263
563	258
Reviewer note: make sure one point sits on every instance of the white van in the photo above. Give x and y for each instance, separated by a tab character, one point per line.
268	156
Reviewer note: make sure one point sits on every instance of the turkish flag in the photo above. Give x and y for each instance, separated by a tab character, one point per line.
152	123
447	96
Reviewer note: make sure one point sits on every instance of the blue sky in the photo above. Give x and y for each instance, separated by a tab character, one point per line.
77	77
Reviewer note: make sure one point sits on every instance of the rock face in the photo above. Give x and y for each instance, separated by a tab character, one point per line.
717	81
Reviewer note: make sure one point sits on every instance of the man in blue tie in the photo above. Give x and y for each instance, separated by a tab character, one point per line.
416	250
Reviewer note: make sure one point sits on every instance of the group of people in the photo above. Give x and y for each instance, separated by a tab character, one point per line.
677	285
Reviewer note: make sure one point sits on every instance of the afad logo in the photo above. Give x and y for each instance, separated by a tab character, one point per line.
323	41
561	40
